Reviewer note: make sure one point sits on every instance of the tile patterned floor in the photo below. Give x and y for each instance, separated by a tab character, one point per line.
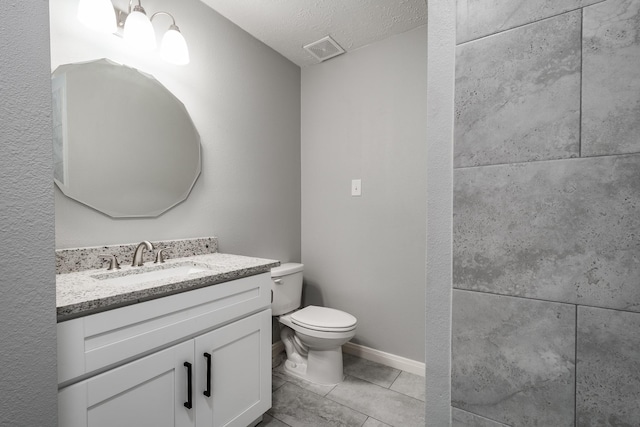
372	395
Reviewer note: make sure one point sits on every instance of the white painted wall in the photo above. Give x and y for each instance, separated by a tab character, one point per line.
244	99
27	285
363	116
439	124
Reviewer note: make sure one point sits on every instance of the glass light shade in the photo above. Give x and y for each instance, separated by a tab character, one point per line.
99	15
174	47
138	31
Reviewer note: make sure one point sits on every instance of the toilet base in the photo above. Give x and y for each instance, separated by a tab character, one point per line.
314	356
322	367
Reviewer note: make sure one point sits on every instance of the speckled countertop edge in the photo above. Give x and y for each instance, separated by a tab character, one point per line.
79	294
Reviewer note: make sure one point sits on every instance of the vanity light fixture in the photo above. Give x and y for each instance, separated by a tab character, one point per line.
138	31
173	46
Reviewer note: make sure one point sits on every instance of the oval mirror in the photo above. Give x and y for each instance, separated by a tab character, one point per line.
123	144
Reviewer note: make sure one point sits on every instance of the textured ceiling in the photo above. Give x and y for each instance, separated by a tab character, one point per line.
287	25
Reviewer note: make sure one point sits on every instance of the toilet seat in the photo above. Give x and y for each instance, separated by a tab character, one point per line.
324	319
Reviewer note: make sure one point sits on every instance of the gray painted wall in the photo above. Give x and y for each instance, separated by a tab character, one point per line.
363	117
27	285
244	99
546	302
31	307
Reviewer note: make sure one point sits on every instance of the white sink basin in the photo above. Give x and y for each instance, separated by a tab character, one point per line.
142	275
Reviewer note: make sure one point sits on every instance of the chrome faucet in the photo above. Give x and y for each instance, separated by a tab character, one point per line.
113	261
137	255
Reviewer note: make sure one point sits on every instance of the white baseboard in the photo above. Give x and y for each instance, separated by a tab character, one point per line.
387	359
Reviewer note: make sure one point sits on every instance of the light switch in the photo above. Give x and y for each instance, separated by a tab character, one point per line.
356	187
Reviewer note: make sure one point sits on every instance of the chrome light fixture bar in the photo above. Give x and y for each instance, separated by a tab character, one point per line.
138	32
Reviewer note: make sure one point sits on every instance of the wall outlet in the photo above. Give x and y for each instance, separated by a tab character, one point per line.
356	187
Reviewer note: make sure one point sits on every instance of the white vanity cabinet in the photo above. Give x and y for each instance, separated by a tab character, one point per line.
147	392
198	358
237	360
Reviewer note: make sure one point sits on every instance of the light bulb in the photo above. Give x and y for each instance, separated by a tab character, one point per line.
99	15
174	47
138	31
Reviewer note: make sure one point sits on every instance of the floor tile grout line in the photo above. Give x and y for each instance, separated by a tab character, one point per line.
330	398
275	418
384	388
368	415
361	379
394	380
349	407
327	398
339	403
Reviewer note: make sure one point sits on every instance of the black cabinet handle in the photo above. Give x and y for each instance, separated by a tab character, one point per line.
207	392
189	403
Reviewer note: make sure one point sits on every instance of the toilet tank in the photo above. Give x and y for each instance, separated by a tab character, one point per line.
286	285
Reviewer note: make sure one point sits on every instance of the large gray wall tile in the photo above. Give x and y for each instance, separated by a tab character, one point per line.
518	94
564	230
608	371
478	18
513	359
611	78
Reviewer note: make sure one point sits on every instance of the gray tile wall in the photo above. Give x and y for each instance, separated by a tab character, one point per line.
610	87
513	359
546	308
518	94
460	418
479	18
564	230
608	371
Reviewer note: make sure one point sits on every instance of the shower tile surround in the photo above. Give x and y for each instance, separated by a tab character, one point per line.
480	18
546	266
610	36
532	72
525	346
609	366
460	418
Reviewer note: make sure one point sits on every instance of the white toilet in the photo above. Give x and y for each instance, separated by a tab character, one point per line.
312	336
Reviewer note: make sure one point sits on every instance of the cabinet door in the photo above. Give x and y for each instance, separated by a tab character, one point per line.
148	392
240	372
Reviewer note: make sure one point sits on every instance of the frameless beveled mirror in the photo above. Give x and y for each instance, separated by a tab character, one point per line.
123	144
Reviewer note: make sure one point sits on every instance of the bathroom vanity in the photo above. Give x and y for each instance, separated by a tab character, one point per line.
190	347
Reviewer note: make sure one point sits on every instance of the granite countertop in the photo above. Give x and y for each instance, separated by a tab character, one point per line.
81	293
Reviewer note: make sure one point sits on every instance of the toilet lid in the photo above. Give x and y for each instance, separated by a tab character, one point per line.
323	319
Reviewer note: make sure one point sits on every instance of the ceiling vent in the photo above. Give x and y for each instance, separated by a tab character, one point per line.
324	49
